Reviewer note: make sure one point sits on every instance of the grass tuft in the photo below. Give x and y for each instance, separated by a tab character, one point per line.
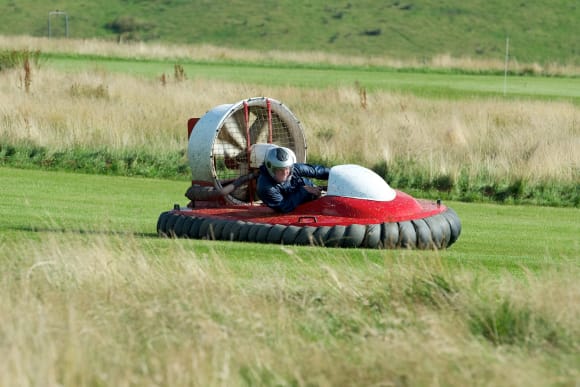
19	58
505	323
87	91
431	289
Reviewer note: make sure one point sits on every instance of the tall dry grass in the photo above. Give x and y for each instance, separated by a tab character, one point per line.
529	139
106	311
514	138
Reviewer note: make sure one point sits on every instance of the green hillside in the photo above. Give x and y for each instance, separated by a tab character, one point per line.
538	31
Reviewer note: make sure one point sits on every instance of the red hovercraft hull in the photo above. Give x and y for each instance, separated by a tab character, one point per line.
332	221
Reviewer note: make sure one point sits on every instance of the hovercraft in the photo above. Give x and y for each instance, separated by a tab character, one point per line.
358	209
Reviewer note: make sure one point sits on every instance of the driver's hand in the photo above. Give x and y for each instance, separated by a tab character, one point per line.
316	191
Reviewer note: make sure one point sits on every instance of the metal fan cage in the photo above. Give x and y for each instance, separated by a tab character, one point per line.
219	146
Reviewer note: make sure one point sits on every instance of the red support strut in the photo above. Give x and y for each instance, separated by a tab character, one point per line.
269	106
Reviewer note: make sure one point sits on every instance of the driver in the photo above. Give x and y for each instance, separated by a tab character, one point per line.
283	183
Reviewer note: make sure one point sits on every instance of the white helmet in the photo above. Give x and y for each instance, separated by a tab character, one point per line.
279	157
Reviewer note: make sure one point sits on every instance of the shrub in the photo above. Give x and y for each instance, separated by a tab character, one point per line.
88	91
16	58
431	289
509	324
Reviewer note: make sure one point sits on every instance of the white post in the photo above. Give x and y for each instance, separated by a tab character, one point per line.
507	55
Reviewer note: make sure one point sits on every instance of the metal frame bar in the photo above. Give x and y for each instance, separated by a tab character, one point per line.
57	13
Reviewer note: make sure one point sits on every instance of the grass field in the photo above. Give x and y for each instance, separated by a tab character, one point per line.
419	128
37	202
90	295
539	32
430	84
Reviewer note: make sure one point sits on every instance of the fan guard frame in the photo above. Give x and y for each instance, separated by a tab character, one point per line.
218	152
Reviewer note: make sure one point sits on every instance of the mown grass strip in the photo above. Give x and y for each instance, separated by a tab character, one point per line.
295	65
431	84
497	236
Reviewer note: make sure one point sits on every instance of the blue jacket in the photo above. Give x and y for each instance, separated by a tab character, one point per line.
286	196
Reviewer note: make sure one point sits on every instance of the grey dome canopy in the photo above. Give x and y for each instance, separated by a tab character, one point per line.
219	150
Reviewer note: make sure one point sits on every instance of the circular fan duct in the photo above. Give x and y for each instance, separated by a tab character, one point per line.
219	150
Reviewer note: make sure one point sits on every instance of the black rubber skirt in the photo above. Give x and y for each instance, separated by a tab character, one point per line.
435	232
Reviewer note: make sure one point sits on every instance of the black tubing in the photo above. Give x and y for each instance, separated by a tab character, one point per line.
243	233
353	236
162	222
423	233
227	232
253	232
454	224
194	228
334	236
319	235
204	228
435	232
305	236
289	235
439	230
407	235
186	226
390	235
170	225
198	192
262	234
218	227
373	236
178	227
237	230
275	234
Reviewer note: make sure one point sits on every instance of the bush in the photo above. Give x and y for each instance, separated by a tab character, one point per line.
130	28
508	324
87	91
17	58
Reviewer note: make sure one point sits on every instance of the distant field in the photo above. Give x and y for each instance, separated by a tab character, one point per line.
420	126
431	84
539	31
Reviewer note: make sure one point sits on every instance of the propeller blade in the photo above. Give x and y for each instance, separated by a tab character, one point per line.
232	134
225	148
